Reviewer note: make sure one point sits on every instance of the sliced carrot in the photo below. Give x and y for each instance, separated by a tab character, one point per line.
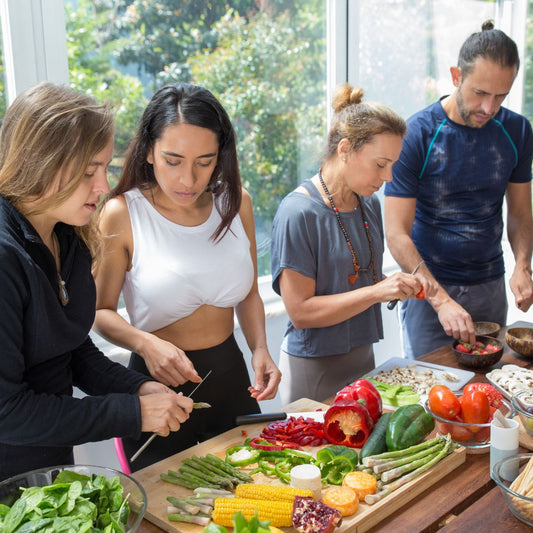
344	499
362	483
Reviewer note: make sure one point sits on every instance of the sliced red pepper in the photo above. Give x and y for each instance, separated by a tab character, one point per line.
301	430
348	423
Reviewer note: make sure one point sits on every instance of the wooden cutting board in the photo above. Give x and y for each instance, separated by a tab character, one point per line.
366	517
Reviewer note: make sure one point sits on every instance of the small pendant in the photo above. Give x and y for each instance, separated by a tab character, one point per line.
352	278
63	294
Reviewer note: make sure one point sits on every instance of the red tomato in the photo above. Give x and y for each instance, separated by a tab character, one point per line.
494	396
475	408
460	433
443	402
421	295
483	434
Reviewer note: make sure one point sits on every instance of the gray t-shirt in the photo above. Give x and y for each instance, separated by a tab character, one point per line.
306	238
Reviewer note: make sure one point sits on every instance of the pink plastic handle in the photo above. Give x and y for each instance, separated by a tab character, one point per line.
122	459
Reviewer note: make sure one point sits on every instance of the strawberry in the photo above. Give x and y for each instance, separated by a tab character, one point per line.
465	347
494	396
462	348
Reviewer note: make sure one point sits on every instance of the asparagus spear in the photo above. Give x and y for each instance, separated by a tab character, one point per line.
189	518
181	504
213	479
373	460
203	471
213	459
408	459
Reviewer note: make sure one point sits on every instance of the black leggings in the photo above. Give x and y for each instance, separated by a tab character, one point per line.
226	389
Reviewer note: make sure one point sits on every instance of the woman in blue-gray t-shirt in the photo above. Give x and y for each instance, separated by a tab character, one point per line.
327	251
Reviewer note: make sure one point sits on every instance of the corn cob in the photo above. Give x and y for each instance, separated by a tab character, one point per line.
257	491
278	512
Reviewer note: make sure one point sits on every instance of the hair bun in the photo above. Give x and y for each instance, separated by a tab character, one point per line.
345	96
487	25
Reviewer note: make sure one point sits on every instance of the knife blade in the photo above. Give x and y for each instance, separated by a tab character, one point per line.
392	304
259	418
154	435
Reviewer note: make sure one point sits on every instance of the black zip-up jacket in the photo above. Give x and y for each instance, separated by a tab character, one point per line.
45	350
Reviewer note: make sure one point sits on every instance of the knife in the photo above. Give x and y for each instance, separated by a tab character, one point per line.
154	435
259	418
392	304
271	417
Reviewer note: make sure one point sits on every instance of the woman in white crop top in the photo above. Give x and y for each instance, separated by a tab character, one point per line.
180	245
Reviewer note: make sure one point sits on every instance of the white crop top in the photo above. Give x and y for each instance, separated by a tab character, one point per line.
176	269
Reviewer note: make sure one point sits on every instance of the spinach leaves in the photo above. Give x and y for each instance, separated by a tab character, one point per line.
74	503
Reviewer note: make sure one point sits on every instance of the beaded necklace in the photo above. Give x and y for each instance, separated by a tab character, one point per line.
366	225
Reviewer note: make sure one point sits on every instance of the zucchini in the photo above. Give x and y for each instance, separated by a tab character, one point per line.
377	442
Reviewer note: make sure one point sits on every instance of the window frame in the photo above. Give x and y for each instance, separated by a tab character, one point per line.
34	43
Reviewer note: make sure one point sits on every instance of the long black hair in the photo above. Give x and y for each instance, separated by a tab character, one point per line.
183	103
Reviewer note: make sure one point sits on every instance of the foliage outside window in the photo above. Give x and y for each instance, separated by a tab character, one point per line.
265	61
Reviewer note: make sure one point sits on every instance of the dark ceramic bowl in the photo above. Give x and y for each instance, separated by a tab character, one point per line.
520	340
479	360
489	329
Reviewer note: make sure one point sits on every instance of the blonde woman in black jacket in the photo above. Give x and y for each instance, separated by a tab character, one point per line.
55	147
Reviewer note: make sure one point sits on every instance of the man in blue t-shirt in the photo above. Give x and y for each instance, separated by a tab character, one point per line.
461	157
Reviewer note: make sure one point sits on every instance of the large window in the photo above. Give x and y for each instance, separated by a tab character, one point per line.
265	61
401	51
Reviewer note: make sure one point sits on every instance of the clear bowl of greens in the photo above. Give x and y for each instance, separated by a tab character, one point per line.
72	498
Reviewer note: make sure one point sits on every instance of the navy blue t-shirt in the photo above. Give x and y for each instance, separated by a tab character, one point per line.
458	176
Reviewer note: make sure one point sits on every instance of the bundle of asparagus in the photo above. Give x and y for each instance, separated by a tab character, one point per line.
395	469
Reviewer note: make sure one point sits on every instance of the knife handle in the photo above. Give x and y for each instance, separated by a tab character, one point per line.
259	418
392	304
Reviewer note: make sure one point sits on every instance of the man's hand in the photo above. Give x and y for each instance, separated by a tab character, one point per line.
456	321
522	288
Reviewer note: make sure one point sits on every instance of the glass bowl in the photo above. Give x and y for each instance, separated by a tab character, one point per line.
471	436
519	504
522	401
10	489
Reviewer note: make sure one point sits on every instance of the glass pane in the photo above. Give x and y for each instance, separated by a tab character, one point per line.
266	64
409	70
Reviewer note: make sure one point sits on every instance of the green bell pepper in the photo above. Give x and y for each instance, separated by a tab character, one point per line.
409	425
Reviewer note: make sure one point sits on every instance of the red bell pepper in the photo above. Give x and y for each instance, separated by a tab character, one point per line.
362	389
347	423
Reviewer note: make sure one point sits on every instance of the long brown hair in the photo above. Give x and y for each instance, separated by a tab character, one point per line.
183	103
49	129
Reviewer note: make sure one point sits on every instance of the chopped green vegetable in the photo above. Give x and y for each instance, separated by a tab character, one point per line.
214	528
335	462
396	395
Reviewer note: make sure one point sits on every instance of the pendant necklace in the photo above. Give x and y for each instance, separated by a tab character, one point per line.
366	225
63	293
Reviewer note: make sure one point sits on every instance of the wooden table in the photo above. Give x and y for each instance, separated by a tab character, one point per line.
465	500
